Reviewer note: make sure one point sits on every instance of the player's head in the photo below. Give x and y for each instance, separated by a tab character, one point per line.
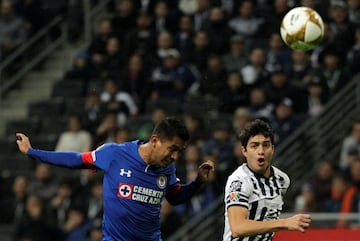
257	144
168	139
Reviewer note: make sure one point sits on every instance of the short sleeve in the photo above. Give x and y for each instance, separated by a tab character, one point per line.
238	191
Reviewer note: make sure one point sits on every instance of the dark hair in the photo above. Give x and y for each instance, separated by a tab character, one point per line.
254	128
171	127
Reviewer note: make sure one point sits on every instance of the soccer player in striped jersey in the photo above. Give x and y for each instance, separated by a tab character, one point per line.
137	176
254	191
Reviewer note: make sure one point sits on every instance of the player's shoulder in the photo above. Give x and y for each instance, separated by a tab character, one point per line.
281	175
240	173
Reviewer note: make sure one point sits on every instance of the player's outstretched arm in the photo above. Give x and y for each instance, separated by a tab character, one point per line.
64	159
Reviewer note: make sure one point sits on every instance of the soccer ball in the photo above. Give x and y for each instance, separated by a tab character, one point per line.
302	28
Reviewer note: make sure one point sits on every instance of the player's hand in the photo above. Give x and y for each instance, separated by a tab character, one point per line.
299	222
23	143
205	169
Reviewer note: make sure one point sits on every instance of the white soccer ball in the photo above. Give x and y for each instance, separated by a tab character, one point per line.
302	28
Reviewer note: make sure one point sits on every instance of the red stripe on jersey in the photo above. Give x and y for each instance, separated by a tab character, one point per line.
175	189
87	158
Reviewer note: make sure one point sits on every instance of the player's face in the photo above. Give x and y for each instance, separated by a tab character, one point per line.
258	153
167	151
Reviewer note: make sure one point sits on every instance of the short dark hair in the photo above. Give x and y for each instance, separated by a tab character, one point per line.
254	128
171	127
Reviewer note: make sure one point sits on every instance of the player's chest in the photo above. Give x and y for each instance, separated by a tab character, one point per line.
139	184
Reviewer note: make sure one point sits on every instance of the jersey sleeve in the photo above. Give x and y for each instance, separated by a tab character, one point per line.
100	158
237	192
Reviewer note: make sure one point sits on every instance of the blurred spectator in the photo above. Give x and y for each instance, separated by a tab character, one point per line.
93	111
170	220
188	7
92	204
343	198
75	138
114	58
172	78
333	71
195	125
12	29
315	97
306	201
60	203
77	225
44	183
299	69
81	68
241	117
183	38
354	169
254	71
135	80
32	13
235	94
142	38
164	18
219	148
101	37
278	55
341	29
258	105
201	51
35	224
122	135
95	232
284	121
354	11
201	15
124	18
349	142
353	55
321	181
213	81
236	57
144	132
14	204
278	10
118	101
246	23
106	130
278	87
218	31
163	45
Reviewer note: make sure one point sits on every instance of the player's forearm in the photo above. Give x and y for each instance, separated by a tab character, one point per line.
64	159
181	193
252	227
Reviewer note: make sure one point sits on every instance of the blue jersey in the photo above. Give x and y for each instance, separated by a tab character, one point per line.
133	191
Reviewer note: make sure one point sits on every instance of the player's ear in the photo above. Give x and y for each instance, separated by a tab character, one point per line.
243	150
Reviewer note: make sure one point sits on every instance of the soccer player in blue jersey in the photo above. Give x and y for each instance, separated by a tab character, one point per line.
137	176
254	191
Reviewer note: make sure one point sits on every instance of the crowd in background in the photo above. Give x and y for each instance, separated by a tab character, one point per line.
215	63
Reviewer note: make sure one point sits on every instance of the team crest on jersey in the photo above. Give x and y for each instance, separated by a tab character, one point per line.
161	181
235	186
125	190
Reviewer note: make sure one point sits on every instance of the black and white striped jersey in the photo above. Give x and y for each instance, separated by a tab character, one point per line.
263	197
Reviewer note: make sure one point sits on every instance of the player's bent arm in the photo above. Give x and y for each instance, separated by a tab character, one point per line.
64	159
241	226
